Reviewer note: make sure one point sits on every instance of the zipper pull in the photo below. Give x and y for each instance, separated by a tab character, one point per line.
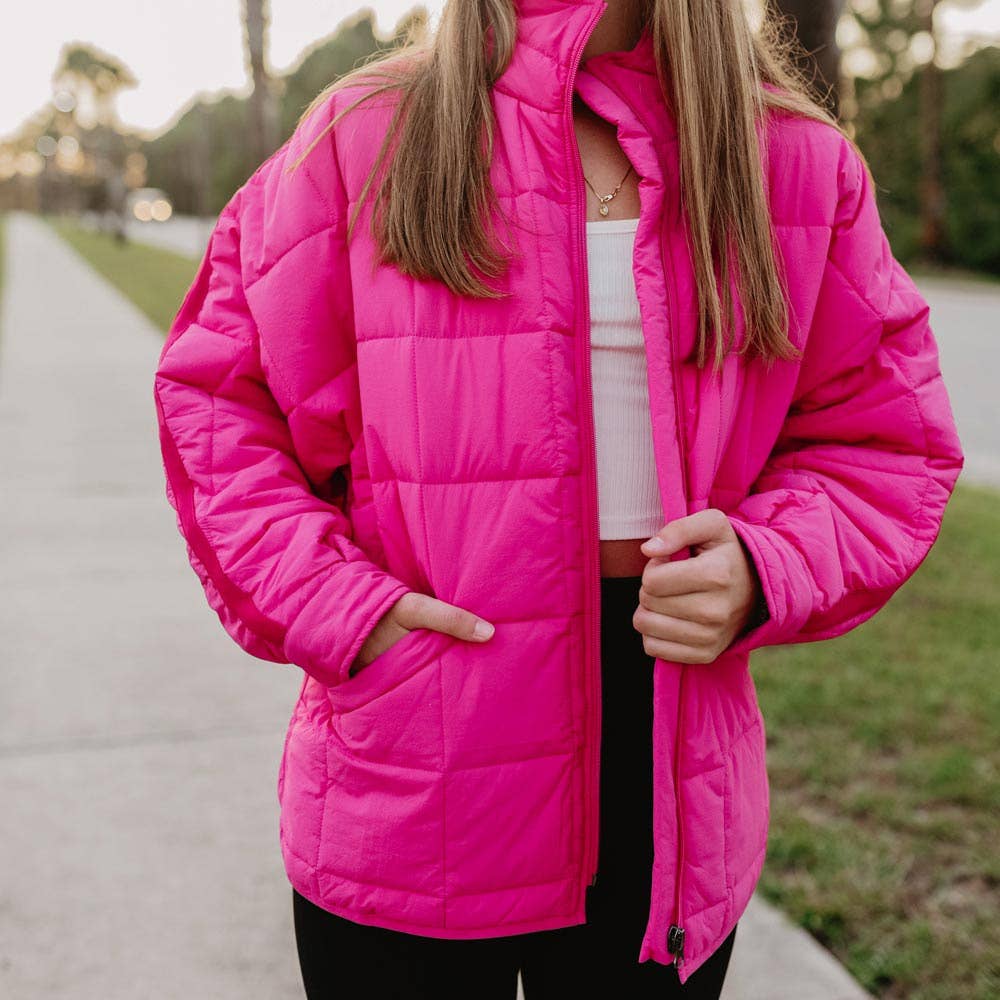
675	943
593	881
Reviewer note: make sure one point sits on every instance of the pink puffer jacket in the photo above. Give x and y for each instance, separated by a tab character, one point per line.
336	434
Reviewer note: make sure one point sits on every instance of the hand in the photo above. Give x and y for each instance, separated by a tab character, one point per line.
416	610
691	609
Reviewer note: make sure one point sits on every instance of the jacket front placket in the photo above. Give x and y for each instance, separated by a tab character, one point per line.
602	84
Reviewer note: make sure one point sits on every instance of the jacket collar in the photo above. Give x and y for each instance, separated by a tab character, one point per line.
550	36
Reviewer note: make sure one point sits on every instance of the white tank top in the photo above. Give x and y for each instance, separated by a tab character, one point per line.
628	495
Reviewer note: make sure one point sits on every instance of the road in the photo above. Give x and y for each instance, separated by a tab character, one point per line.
965	316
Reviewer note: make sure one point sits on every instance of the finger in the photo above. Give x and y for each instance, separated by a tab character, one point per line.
423	611
678	631
678	653
696	574
704	527
705	608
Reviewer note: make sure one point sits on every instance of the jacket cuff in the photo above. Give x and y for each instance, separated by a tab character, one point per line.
325	637
787	593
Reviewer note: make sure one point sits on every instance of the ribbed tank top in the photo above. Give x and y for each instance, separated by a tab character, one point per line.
628	495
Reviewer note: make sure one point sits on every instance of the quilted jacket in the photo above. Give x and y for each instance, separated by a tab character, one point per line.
336	434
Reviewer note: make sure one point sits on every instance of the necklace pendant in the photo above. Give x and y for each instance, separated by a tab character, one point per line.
603	209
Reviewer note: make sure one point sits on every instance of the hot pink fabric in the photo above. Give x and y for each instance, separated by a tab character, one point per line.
336	434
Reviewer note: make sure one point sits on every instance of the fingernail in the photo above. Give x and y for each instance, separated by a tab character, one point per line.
655	544
483	630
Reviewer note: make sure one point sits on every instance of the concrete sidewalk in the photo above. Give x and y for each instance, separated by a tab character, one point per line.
139	746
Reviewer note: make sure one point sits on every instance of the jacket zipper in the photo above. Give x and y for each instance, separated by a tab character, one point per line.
593	550
675	934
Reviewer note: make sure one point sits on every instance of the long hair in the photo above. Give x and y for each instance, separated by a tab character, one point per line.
719	73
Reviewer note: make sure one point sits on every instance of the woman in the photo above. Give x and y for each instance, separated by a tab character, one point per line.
468	415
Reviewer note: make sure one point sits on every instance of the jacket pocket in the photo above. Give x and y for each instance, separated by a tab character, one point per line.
390	710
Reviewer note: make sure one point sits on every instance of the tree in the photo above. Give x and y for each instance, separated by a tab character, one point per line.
93	77
815	26
263	100
205	155
902	37
890	129
932	216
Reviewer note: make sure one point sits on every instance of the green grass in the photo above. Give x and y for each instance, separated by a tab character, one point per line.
154	280
885	775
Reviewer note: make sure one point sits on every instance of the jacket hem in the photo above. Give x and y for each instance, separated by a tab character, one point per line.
307	889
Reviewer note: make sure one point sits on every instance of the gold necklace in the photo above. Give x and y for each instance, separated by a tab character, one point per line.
605	198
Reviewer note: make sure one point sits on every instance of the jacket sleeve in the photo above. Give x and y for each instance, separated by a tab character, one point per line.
852	496
277	563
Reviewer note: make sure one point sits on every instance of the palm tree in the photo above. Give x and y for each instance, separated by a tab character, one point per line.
263	100
95	79
82	68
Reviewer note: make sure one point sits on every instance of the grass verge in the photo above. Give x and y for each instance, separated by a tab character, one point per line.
153	279
884	763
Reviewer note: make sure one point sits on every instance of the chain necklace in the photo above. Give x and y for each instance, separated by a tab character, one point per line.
605	198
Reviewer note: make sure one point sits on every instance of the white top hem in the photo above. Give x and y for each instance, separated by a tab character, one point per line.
612	225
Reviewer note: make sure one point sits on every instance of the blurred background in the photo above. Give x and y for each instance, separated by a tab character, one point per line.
139	747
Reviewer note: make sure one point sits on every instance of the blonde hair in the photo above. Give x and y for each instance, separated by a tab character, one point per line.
435	204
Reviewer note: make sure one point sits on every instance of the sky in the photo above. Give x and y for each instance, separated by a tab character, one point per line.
179	48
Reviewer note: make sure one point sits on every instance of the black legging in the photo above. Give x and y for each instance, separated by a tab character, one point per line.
341	958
